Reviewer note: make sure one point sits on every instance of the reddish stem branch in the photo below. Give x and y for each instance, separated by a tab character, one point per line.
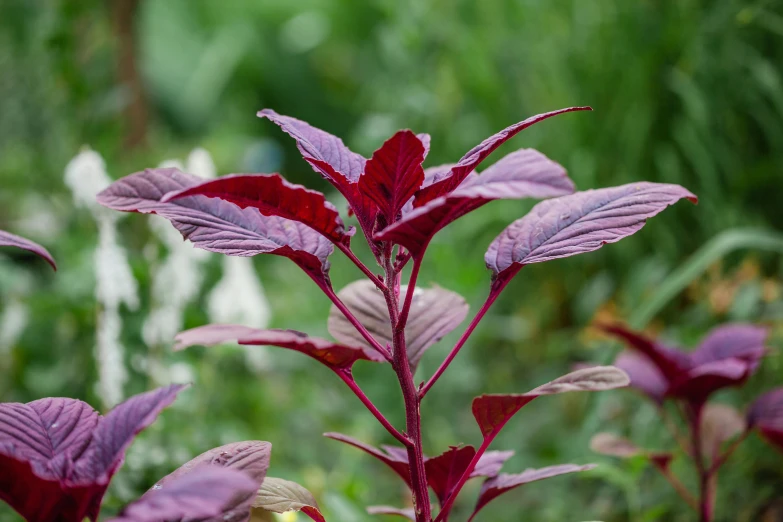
497	287
720	461
361	266
355	322
348	379
679	487
406	306
705	477
421	499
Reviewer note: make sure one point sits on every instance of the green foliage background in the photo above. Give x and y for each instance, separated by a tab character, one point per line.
686	92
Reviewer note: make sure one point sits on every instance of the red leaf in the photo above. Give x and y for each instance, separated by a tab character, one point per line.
479	153
12	240
396	459
334	356
329	156
701	381
274	196
206	492
445	470
219	226
492	412
525	173
579	223
394	173
496	486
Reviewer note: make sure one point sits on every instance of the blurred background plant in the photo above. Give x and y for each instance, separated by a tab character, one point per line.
686	92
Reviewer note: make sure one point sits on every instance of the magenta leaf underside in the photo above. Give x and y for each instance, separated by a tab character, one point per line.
333	355
8	239
580	223
217	225
476	155
274	196
525	173
766	415
205	493
58	455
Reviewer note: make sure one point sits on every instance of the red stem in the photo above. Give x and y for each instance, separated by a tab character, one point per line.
355	322
705	475
497	287
356	261
421	498
348	379
406	307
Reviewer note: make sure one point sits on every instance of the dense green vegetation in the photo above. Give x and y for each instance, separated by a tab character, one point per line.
687	92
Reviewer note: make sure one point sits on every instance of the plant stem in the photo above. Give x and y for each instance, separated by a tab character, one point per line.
679	487
421	499
348	379
355	322
497	287
361	266
705	478
406	307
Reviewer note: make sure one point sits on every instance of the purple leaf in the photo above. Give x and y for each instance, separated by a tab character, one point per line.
394	173
492	412
444	471
115	432
644	375
496	486
701	381
408	513
203	493
766	415
274	196
329	156
525	173
579	223
219	226
741	341
12	240
425	140
434	313
58	455
334	356
396	460
477	154
39	442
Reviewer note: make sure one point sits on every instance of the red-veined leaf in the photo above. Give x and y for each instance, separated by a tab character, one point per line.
496	486
525	173
12	240
219	226
206	492
669	361
579	223
335	356
492	412
394	173
479	153
274	196
434	313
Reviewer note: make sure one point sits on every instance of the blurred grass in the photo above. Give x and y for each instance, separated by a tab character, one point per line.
684	92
